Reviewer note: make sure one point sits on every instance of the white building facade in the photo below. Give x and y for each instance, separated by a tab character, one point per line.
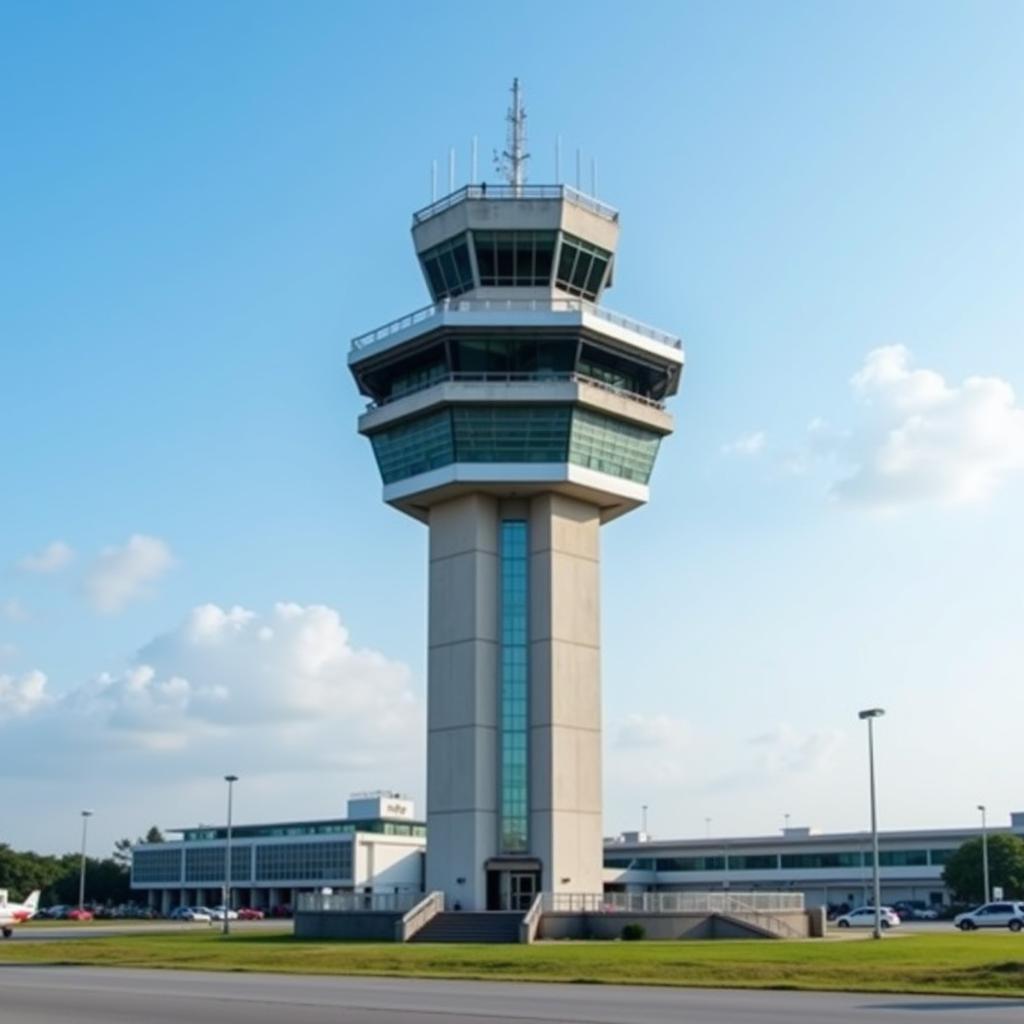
377	848
828	868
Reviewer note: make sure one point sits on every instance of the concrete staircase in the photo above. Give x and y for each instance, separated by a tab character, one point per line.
460	926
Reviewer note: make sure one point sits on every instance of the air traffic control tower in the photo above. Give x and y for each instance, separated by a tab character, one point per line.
514	416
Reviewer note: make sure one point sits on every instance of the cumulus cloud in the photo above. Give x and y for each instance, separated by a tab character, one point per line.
783	750
22	696
281	692
123	574
661	749
54	557
922	439
746	445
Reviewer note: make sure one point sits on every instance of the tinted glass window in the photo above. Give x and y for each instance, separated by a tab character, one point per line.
448	268
581	267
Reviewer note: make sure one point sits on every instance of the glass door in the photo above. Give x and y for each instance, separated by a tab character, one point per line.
522	890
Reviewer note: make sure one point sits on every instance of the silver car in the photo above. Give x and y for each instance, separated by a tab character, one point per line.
992	915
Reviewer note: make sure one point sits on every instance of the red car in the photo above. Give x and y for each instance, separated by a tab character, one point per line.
249	914
79	914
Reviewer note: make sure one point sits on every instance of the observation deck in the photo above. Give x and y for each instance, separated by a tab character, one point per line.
515	379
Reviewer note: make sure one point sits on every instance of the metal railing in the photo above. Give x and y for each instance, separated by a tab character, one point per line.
429	907
504	192
536	377
531	920
738	903
357	902
548	305
777	926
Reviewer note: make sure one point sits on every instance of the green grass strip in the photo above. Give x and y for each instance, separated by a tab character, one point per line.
985	964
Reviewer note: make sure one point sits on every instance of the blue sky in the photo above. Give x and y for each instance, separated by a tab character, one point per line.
200	204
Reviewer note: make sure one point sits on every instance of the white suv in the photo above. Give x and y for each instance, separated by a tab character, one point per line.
992	915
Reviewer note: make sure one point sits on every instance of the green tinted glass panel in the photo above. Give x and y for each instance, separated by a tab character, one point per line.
414	446
612	446
690	864
581	267
514	686
514	258
753	862
511	433
489	355
448	269
842	859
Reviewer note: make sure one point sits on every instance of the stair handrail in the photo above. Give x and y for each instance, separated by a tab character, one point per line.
777	927
531	920
418	916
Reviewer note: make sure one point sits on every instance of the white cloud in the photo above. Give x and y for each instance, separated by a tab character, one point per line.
13	610
22	696
746	445
662	750
261	694
120	575
923	440
54	557
783	750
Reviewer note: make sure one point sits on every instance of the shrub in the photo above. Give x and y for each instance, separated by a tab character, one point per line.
633	932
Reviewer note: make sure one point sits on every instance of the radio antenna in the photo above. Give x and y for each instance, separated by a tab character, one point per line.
512	163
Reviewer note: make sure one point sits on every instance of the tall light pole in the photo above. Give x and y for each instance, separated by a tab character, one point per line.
86	815
870	715
643	820
230	780
984	853
786	826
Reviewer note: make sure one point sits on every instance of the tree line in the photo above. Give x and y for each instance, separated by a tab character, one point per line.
107	879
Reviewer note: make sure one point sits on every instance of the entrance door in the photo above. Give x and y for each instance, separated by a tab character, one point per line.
522	889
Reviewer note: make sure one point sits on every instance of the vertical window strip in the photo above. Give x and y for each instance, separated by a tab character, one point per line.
514	708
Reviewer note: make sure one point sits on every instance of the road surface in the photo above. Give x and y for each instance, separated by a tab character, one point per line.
71	995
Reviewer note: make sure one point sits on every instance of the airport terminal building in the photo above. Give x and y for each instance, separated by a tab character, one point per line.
379	848
828	868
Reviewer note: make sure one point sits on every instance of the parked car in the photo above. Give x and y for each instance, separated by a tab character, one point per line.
864	917
218	913
281	910
190	914
79	914
992	915
915	910
250	914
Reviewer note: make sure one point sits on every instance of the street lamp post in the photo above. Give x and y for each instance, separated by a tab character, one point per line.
86	815
230	780
984	854
869	716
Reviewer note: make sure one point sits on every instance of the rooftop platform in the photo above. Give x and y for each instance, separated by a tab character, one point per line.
561	193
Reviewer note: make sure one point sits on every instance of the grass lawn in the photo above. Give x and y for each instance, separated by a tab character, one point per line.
986	964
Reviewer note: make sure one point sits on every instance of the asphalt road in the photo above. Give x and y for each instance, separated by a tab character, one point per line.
56	995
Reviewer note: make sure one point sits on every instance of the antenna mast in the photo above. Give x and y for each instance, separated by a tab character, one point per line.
513	163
